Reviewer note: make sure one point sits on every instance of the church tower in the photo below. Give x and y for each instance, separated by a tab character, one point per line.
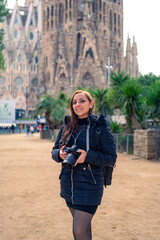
131	62
78	36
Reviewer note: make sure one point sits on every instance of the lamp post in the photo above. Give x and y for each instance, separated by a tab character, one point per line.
109	71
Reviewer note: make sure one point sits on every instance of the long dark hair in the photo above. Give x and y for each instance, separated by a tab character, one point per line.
73	123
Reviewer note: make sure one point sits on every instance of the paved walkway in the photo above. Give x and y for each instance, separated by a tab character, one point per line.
31	208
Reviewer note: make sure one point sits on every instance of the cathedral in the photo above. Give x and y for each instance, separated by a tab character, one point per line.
57	45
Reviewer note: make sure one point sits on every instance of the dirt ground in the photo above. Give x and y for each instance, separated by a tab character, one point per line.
31	208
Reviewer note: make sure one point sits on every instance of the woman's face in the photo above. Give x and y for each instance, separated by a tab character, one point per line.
81	105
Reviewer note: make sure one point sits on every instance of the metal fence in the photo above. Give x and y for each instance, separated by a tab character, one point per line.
124	143
157	143
9	131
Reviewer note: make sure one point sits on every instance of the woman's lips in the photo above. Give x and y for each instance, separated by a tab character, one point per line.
79	109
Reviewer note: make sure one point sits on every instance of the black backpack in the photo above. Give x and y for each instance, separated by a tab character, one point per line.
107	170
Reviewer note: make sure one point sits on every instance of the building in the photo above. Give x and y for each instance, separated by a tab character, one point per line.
22	39
131	62
57	45
78	38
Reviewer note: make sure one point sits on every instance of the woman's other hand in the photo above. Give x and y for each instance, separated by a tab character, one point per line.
82	157
62	154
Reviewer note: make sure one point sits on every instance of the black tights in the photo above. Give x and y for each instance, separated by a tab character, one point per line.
81	224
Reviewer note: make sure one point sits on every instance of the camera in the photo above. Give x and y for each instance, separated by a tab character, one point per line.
72	156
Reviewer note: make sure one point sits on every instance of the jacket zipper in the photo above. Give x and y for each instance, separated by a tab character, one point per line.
90	169
72	186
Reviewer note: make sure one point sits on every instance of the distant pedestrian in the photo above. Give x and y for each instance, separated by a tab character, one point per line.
12	128
31	129
27	130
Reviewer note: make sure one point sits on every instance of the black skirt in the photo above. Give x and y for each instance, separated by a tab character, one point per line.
85	208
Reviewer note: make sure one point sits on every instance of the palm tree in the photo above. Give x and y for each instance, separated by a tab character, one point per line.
117	81
153	100
126	94
60	109
130	98
45	107
53	109
102	102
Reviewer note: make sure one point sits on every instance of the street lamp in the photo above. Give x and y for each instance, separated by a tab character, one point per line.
109	70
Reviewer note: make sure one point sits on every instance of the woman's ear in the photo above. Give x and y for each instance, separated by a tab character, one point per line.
91	105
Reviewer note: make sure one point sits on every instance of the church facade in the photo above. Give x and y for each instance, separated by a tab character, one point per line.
57	45
79	37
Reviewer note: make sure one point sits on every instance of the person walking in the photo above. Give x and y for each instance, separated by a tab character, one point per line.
85	147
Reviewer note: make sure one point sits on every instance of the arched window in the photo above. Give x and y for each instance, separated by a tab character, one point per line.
61	11
19	58
52	11
104	8
70	16
78	45
66	4
36	59
47	12
87	80
44	20
48	76
110	20
115	19
100	17
119	21
31	35
93	6
100	5
66	18
70	3
90	53
56	15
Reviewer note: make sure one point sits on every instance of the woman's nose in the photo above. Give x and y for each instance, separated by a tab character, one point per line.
78	103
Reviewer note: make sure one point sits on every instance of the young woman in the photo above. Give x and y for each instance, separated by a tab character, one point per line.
82	181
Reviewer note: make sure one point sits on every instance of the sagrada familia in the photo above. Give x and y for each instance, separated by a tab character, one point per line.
57	45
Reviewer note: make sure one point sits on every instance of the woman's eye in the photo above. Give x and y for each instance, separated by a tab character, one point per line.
82	101
74	103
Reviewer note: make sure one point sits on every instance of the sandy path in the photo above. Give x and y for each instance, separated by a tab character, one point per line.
32	209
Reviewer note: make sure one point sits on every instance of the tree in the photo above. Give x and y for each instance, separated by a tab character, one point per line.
153	100
45	107
117	81
3	12
148	79
130	97
53	109
102	104
126	94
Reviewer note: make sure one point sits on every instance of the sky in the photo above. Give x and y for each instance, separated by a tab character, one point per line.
141	19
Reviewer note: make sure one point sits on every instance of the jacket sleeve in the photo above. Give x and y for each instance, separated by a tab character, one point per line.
56	148
106	155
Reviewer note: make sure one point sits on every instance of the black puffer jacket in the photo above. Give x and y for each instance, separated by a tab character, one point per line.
84	183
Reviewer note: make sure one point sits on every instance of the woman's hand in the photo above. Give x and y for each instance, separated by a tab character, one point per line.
62	154
82	157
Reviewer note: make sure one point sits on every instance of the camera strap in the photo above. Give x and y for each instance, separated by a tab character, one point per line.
87	138
87	143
